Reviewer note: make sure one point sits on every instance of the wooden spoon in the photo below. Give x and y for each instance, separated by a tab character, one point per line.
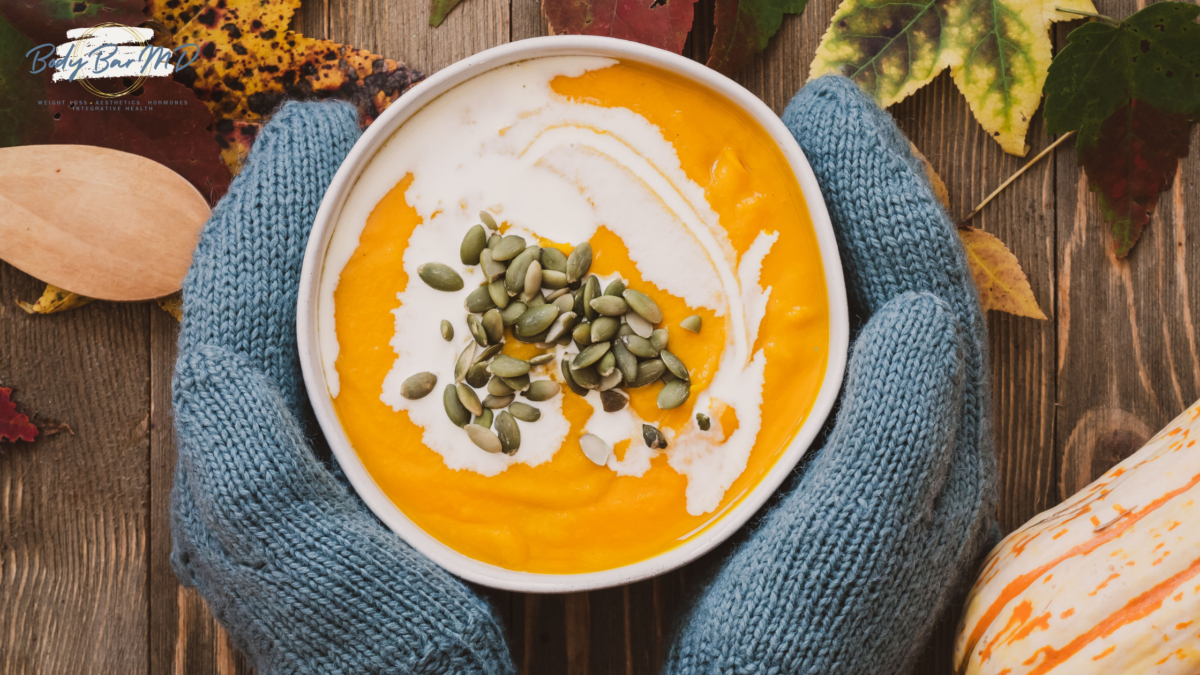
102	223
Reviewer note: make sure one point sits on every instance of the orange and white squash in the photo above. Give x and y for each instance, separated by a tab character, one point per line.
1106	582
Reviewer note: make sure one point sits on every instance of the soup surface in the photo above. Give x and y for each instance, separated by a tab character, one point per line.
682	196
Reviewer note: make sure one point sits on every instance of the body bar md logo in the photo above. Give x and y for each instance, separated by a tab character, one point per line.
110	50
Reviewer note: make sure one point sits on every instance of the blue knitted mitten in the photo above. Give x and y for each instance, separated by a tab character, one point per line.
850	571
299	571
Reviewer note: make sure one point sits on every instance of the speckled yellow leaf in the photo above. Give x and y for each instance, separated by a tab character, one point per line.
54	299
172	304
1002	283
998	52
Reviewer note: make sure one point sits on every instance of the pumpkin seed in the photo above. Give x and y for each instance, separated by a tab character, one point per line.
497	402
581	299
484	420
464	362
489	352
508	248
569	379
595	449
626	362
479	301
533	278
613	400
477	330
513	312
507	366
536	300
493	325
553	280
494	240
607	364
640	346
692	323
472	245
525	412
418	386
535	320
535	340
579	262
582	335
554	259
639	326
626	329
488	220
674	365
485	439
520	383
514	277
542	359
469	399
440	277
496	387
498	293
659	338
477	375
542	390
447	330
586	377
648	371
454	407
604	328
617	287
653	437
644	305
609	381
557	294
492	269
562	325
590	354
609	305
508	432
565	303
703	422
673	394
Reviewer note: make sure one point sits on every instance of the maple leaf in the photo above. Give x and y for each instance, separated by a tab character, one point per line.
658	23
998	276
998	52
743	28
1129	89
13	425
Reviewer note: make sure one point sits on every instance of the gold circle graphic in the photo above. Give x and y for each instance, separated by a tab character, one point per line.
91	87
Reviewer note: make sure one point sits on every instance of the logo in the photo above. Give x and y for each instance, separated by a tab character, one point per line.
107	51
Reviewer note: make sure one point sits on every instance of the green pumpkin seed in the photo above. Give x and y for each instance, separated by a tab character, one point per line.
554	259
477	375
569	379
562	325
472	245
542	390
653	437
493	325
454	407
582	334
668	377
468	398
553	280
579	262
659	339
674	365
513	312
485	439
609	305
644	305
525	412
418	386
494	240
626	362
691	323
498	293
542	359
536	300
625	328
703	422
440	277
484	420
492	268
506	366
475	325
488	220
464	362
639	326
604	328
551	297
496	387
520	383
479	301
609	381
535	340
617	287
565	303
586	377
590	354
673	394
595	449
447	330
508	248
648	372
497	402
607	364
535	320
489	352
533	279
508	432
581	299
612	400
514	278
640	346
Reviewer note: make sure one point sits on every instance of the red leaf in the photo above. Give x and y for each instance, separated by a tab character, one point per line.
1134	159
13	425
658	23
49	20
743	28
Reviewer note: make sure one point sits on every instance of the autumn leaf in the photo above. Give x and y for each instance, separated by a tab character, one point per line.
998	52
54	299
49	20
438	9
13	425
935	180
658	23
235	137
1001	282
172	304
1129	90
743	28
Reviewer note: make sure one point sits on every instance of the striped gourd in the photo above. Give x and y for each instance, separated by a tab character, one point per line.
1107	582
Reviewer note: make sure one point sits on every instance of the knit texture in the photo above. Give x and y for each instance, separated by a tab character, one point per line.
850	571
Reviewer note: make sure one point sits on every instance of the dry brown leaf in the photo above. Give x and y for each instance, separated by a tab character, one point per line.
1002	283
54	299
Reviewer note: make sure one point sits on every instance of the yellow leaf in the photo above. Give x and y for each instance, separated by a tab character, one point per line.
54	299
1002	283
998	52
935	181
172	304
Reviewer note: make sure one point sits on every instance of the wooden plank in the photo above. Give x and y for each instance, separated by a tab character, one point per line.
73	514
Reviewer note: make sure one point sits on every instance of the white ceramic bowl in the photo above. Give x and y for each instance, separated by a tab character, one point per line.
314	374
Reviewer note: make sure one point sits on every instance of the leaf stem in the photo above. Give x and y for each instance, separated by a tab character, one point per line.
1035	160
1093	15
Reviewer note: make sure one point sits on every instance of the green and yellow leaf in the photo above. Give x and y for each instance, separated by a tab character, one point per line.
1001	282
54	299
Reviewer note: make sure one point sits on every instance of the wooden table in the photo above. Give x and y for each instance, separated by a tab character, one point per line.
85	584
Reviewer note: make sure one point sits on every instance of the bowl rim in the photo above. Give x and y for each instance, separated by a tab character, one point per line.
733	515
